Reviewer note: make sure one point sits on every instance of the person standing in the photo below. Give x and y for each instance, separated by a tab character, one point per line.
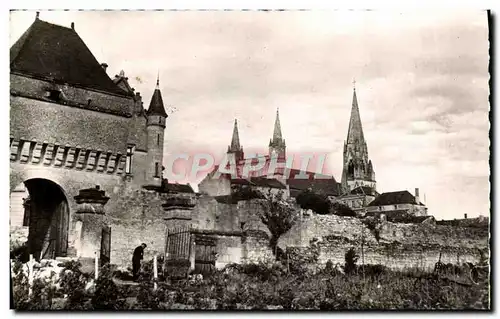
136	260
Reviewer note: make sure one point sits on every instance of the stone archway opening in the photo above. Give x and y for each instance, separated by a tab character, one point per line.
46	217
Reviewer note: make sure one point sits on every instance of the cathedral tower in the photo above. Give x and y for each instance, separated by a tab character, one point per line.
357	167
235	147
277	145
156	118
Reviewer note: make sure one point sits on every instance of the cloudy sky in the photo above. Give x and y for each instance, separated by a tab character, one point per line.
421	81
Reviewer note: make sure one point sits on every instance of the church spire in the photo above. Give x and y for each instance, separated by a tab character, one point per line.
277	127
277	145
355	132
357	167
235	141
235	146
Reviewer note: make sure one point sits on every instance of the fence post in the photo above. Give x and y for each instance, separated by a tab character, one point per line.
96	266
30	276
155	272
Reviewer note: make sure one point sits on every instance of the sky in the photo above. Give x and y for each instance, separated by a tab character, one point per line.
421	82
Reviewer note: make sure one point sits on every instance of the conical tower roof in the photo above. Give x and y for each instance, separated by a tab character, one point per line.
156	106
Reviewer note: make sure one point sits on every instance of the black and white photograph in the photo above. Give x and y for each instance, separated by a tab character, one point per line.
276	160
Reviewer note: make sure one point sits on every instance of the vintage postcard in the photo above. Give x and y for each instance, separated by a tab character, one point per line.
250	160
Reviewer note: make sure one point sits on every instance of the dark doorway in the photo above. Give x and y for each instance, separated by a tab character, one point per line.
48	219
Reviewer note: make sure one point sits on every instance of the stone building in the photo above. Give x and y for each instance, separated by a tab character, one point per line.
358	198
275	167
71	128
392	203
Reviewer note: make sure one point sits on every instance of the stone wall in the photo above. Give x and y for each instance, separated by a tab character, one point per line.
229	250
215	186
256	248
311	225
76	96
398	246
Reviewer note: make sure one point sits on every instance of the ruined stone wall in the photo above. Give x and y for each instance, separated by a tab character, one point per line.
229	250
311	225
256	248
213	215
398	246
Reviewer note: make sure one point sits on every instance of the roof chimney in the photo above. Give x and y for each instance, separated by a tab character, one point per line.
104	66
73	25
465	216
417	196
37	15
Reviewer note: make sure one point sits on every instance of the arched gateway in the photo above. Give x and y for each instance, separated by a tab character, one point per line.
46	215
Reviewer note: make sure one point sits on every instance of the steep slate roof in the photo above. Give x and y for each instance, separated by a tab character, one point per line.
55	52
267	182
392	198
324	184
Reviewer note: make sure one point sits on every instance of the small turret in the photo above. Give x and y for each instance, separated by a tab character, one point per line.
156	122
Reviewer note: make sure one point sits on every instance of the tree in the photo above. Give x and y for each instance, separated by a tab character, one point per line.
342	210
278	215
317	202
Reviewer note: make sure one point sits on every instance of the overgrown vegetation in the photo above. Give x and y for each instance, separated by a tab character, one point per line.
320	204
279	215
287	286
372	224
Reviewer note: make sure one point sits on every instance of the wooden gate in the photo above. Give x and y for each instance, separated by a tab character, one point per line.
205	254
105	245
177	252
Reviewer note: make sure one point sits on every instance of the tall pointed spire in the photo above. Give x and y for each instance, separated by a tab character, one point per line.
277	145
357	169
355	132
235	147
277	127
235	140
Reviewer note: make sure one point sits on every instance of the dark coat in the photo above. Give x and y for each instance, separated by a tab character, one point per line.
138	254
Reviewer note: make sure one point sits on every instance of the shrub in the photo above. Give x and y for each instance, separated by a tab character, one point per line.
106	293
351	258
148	298
372	224
73	282
318	203
342	210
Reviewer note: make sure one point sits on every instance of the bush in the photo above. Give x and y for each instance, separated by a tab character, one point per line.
316	202
342	210
106	293
351	258
73	282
